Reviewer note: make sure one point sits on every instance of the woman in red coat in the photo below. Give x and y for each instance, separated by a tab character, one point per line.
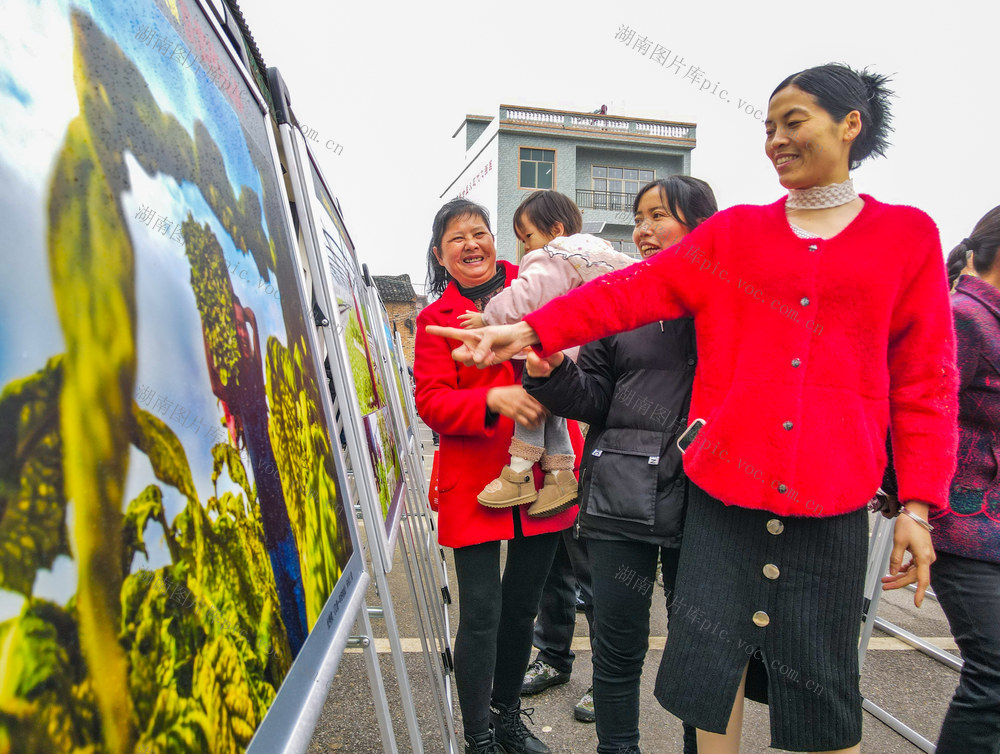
474	411
821	319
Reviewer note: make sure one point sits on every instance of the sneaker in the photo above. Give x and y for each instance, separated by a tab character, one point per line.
509	489
511	732
540	676
584	709
483	743
557	494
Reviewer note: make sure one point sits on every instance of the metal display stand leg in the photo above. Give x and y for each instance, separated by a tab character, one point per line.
387	612
436	566
398	658
879	551
375	680
429	616
431	651
945	658
901	728
439	596
432	600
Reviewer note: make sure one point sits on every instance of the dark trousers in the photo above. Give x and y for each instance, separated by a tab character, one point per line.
624	577
556	620
495	616
969	593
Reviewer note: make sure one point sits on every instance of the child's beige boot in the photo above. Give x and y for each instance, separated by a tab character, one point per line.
559	490
509	489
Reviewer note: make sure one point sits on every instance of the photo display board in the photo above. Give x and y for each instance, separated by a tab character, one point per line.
359	377
408	393
397	365
175	554
393	363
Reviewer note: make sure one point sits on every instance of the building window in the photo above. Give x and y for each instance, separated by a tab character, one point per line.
625	247
615	188
537	167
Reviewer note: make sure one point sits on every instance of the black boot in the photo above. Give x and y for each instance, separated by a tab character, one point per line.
482	743
512	733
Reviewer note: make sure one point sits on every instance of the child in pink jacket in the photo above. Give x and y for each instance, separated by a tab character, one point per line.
558	259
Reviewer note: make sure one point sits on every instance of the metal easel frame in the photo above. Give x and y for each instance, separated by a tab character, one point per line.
419	545
303	174
879	551
299	161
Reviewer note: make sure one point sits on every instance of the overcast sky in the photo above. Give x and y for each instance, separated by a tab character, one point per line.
391	82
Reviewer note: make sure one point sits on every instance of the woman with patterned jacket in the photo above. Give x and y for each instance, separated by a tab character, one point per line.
966	574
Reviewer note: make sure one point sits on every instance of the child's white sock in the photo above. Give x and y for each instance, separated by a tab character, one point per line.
520	465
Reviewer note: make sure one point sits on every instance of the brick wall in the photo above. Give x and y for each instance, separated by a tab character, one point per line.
403	315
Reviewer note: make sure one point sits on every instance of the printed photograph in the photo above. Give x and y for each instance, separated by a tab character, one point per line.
385	460
170	522
343	267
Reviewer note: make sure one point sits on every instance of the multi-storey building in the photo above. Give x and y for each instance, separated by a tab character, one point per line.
598	160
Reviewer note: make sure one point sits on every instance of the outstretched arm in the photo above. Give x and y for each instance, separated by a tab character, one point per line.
665	286
541	277
486	346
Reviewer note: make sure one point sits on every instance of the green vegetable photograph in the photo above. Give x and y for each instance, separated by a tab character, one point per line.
170	523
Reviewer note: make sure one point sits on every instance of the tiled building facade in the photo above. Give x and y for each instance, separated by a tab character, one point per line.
599	161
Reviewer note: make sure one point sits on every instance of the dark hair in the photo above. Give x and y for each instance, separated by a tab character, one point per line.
685	196
437	275
956	261
545	208
983	243
840	89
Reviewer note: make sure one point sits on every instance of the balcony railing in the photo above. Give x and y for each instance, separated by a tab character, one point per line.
595	122
610	200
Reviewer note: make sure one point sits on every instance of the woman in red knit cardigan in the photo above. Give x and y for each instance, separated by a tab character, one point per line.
821	320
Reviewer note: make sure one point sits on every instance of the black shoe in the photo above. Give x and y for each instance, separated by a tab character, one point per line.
540	676
483	743
512	733
584	709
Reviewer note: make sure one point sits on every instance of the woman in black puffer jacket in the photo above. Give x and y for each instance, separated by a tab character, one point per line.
634	390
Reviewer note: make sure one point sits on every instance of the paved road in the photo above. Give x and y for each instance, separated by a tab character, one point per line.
907	683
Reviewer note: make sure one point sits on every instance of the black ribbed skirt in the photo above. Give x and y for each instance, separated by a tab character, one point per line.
782	593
